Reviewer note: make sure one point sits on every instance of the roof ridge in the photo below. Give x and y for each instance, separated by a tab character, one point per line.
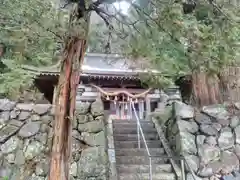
52	68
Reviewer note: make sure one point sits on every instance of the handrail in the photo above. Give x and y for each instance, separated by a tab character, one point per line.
177	158
191	171
181	158
139	128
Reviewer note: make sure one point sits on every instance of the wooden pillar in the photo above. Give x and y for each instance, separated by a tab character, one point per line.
54	95
148	107
117	110
130	110
122	111
141	109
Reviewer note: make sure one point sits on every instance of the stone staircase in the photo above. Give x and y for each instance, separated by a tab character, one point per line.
132	163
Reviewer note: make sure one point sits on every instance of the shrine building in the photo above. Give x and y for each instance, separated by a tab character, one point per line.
112	76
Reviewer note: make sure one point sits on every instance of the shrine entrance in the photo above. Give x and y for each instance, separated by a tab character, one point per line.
124	103
123	110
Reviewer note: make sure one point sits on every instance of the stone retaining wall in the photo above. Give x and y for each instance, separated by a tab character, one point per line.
209	140
26	137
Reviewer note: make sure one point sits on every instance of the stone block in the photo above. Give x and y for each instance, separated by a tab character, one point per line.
41	109
14	113
208	130
76	134
200	139
205	172
190	177
237	134
94	139
187	126
10	145
24	107
7	131
229	161
82	108
162	115
47	119
97	108
24	115
10	158
42	168
237	150
4	117
35	117
93	163
15	123
208	153
185	143
201	118
42	137
183	110
6	105
33	149
20	159
29	129
226	138
216	111
81	119
73	169
92	127
211	141
193	162
234	122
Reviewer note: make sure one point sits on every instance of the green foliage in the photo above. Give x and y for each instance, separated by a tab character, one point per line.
173	42
104	40
177	43
31	32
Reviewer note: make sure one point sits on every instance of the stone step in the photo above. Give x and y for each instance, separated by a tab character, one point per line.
139	152
134	144
134	137
131	122
139	160
133	130
133	125
144	168
145	176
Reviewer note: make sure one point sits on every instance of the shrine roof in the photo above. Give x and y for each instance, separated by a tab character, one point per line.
108	65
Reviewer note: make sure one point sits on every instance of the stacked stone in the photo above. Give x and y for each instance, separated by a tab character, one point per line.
209	140
26	138
90	162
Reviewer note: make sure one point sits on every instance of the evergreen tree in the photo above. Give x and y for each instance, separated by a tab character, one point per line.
30	34
205	39
175	37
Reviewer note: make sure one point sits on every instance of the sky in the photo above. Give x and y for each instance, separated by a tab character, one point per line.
123	6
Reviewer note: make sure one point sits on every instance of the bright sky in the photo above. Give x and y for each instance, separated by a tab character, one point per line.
122	6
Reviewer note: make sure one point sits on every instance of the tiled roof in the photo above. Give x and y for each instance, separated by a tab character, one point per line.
102	65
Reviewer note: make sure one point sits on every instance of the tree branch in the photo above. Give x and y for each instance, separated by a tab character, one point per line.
219	9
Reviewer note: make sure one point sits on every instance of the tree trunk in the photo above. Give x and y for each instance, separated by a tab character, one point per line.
65	108
73	56
205	89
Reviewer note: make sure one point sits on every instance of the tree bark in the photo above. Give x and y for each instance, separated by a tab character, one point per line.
65	108
205	89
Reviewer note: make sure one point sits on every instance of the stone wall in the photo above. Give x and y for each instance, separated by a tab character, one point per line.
27	95
209	140
26	137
